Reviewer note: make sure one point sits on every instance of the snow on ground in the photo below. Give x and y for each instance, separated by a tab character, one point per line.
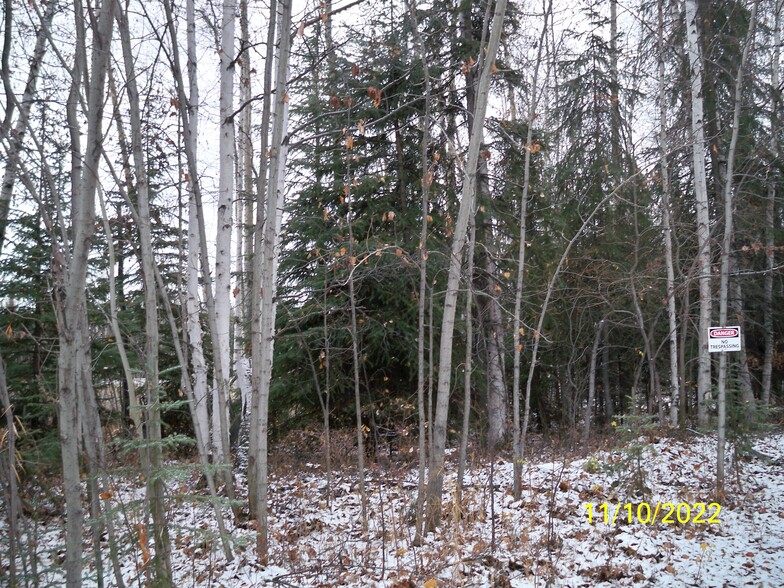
491	540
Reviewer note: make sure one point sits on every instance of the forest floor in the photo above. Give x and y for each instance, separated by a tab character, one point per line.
491	540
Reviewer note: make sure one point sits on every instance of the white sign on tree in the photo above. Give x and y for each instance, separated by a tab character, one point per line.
723	339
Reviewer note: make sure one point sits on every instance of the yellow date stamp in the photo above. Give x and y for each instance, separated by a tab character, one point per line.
665	513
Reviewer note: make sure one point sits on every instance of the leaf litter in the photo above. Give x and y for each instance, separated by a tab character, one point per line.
487	539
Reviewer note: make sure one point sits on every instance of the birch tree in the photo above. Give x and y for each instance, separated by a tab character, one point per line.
770	209
244	235
436	473
193	328
256	340
225	227
182	106
701	206
664	170
266	264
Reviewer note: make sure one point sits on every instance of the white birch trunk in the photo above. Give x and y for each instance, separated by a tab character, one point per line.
270	251
224	231
193	326
185	117
245	211
667	226
256	339
703	215
770	213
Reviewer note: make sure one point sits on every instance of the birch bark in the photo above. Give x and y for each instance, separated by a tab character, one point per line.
244	211
193	326
703	216
770	212
224	230
667	224
270	251
256	339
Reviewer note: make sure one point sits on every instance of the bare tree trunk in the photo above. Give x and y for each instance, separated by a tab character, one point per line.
220	399
200	442
245	205
325	405
703	216
493	332
9	471
355	356
194	333
667	222
426	180
156	486
770	212
269	268
468	368
97	483
5	71
592	381
517	334
726	252
185	116
683	401
654	391
609	409
436	473
72	311
134	408
488	305
430	371
749	408
256	339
